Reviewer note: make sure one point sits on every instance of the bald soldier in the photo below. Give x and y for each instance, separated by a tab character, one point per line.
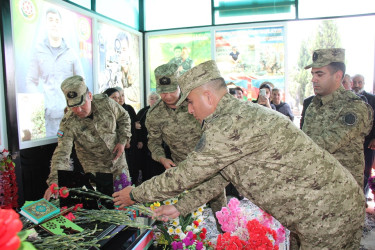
173	125
99	128
267	158
337	120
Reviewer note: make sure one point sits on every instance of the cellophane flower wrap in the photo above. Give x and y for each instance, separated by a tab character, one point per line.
184	232
247	230
8	184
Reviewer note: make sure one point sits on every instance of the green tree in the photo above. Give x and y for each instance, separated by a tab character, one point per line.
327	36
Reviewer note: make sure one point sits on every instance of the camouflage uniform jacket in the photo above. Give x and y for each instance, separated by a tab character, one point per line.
275	165
94	139
177	128
339	123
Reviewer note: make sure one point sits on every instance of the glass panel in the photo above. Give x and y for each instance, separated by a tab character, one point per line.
123	11
250	11
323	8
83	3
186	50
181	13
356	35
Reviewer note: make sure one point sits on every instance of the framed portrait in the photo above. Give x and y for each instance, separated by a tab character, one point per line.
186	50
51	43
250	56
119	58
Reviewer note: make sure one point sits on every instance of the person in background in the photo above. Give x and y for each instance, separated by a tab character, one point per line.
337	119
148	166
305	105
99	128
281	107
265	91
369	144
117	94
239	93
52	62
347	82
267	158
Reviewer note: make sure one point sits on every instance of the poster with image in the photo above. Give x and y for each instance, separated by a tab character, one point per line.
248	57
186	50
119	56
51	43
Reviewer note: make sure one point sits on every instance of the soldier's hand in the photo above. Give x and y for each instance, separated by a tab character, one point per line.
140	145
138	125
47	194
122	197
371	145
167	163
118	150
166	212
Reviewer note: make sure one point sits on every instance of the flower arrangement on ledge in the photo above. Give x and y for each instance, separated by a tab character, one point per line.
8	184
184	232
12	238
247	231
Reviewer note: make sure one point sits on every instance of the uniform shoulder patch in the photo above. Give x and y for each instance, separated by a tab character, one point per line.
60	134
201	144
349	119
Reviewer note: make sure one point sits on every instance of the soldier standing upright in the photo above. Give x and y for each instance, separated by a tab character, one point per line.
337	120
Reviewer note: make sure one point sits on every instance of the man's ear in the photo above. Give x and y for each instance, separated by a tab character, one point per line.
208	96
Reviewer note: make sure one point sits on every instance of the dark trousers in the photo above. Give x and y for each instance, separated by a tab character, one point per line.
148	166
369	160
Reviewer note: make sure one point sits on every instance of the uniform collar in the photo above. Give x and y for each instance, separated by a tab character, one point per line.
220	108
329	98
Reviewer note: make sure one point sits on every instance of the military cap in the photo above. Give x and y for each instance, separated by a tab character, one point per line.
166	78
74	89
323	57
196	77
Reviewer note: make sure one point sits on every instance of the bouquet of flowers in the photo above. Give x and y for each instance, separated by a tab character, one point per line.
8	184
247	230
184	232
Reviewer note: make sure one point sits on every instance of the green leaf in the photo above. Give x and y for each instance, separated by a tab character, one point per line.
26	246
23	234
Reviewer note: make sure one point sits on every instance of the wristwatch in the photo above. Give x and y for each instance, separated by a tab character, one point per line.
131	196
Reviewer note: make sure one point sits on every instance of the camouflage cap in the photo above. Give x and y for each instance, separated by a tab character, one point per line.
196	77
166	78
323	57
74	89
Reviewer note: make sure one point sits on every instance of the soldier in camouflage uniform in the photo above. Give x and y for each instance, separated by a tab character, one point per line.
169	123
99	128
267	158
337	120
173	125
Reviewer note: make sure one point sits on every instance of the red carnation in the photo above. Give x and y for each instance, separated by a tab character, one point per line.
70	216
54	188
64	192
196	223
194	236
77	206
204	230
10	225
202	236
